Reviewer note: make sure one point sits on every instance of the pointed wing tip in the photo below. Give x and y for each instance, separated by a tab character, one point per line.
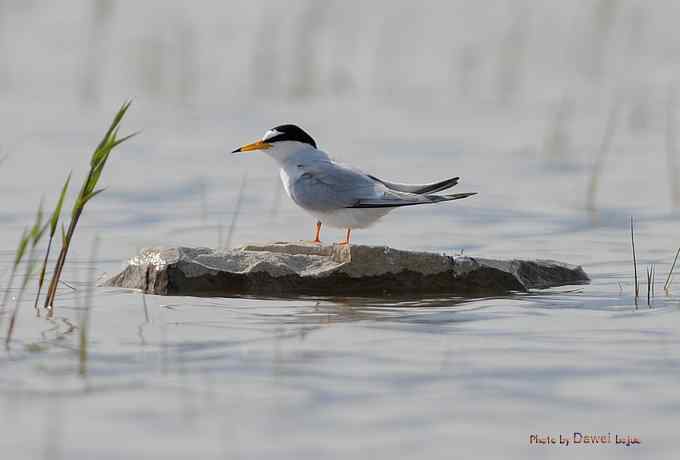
457	196
465	195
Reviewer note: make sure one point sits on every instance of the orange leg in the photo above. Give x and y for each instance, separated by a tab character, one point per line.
349	232
318	232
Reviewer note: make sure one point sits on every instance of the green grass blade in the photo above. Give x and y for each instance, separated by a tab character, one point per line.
100	153
30	266
21	250
37	236
56	214
95	174
123	139
92	195
112	128
37	229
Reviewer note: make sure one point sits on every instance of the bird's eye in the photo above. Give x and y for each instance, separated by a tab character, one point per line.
270	135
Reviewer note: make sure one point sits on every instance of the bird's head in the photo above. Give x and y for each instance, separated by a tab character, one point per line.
281	142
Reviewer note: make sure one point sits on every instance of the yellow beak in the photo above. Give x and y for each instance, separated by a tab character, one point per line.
259	145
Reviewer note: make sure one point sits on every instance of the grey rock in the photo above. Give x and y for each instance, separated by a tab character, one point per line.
290	269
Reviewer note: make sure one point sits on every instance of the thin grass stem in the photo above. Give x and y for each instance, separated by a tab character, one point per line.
632	241
671	147
41	277
20	295
669	279
649	285
603	153
21	249
237	211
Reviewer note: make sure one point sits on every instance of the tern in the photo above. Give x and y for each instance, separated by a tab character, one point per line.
338	195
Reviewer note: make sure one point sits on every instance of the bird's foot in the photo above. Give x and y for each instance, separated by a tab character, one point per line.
317	235
345	242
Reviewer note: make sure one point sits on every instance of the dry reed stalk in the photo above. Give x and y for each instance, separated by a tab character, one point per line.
650	275
669	279
237	211
632	240
671	148
603	153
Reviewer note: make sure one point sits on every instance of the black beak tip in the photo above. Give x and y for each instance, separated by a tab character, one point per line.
237	150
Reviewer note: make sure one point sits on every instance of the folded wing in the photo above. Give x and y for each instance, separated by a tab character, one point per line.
326	186
394	200
419	189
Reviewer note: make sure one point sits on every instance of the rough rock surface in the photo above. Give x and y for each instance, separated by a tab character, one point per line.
289	269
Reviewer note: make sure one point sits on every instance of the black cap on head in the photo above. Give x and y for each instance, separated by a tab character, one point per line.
290	133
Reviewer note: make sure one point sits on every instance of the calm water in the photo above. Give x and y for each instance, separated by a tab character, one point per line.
172	377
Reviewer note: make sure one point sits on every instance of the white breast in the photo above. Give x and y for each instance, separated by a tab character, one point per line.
289	173
352	217
285	179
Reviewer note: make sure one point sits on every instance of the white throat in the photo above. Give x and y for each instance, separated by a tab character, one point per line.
292	151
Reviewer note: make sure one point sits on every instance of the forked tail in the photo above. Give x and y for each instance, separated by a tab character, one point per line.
408	199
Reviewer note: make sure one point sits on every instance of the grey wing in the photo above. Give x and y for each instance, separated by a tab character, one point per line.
419	189
326	186
393	199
